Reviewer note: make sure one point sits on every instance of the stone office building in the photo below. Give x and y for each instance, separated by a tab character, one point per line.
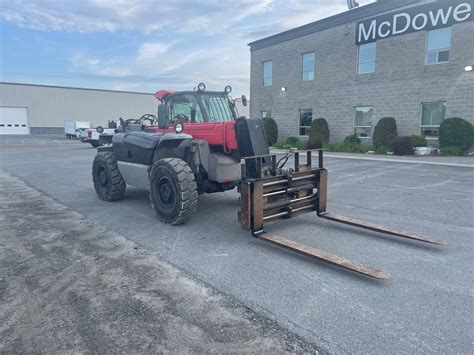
408	59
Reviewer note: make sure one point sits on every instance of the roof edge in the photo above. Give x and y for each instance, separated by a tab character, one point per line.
75	88
328	22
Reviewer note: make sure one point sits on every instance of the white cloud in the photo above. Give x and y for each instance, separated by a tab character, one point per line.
150	50
137	15
176	43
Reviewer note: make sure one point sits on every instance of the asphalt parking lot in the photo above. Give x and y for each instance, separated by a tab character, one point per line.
67	285
426	305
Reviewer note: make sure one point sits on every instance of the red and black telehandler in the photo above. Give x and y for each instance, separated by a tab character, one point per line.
199	144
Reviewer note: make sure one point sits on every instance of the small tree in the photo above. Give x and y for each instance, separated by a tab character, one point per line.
385	131
318	133
271	130
456	132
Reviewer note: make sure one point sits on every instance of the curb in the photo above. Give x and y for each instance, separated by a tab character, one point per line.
329	155
406	161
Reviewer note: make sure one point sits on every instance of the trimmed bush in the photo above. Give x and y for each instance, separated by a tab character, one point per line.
456	132
301	145
318	133
418	141
382	149
315	145
451	151
271	130
385	131
402	146
293	141
347	148
352	139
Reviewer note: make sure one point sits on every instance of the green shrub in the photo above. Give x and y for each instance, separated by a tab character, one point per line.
418	141
358	148
346	148
456	132
335	147
302	145
318	133
271	130
278	145
451	151
385	131
383	149
293	141
351	144
402	146
315	145
352	139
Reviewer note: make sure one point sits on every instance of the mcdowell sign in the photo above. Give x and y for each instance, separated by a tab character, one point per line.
425	17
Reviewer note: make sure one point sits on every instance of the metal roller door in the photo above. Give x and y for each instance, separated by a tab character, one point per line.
14	120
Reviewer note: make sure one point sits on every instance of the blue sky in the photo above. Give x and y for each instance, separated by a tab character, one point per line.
141	45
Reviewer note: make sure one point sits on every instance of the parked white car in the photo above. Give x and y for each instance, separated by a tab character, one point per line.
92	135
75	128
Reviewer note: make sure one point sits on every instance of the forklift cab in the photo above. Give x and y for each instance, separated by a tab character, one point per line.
198	106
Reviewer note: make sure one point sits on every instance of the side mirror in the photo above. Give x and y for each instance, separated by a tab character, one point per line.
163	116
244	100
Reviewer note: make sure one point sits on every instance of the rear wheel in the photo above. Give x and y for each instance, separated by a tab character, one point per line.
173	190
108	182
95	144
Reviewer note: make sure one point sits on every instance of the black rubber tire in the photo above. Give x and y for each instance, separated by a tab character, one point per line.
173	190
95	144
108	182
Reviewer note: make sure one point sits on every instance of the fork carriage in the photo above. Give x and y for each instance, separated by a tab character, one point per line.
270	193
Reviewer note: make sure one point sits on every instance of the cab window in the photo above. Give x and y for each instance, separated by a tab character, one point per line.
186	107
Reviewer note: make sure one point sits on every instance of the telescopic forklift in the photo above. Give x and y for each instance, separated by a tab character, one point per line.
199	144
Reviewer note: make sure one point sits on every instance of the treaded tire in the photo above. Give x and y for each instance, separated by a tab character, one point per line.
95	144
173	190
108	182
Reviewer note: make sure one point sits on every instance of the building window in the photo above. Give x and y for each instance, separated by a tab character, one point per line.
363	121
306	117
438	44
266	114
267	73
432	114
308	66
367	54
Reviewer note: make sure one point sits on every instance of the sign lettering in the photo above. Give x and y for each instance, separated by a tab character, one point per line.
421	18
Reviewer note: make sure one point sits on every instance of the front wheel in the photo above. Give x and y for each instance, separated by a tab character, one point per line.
108	182
173	190
95	144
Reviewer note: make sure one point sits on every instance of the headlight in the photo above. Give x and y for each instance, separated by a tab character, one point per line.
228	89
201	87
178	127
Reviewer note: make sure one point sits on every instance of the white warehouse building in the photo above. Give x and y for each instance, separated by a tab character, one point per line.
38	109
43	109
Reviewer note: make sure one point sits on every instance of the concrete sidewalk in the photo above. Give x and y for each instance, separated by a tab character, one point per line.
467	162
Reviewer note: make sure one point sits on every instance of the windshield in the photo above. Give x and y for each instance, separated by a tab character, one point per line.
218	107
